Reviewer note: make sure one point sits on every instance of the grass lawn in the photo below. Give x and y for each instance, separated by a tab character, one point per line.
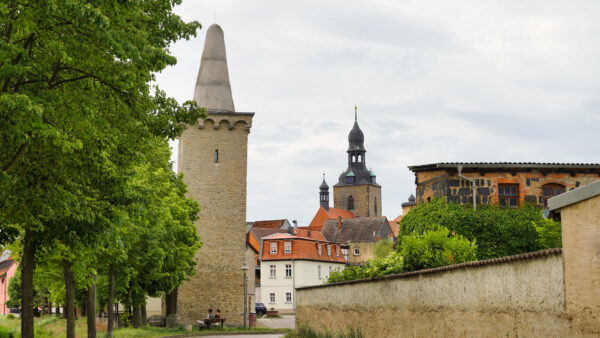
50	326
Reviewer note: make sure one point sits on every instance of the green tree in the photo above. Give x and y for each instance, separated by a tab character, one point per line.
435	248
498	232
75	104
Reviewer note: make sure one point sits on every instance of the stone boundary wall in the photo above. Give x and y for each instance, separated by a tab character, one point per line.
515	296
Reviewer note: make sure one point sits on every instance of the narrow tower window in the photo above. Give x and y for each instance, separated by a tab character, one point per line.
375	206
216	155
359	158
350	202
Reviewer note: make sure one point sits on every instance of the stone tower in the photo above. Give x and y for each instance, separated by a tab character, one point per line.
324	194
213	159
357	188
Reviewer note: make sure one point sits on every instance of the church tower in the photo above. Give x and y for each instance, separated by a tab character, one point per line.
357	188
213	159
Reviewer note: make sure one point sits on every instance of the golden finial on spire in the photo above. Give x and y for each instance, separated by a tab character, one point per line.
355	110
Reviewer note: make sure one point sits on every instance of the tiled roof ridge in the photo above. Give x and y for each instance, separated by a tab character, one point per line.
492	261
508	163
298	237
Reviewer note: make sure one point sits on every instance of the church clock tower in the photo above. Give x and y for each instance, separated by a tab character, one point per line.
357	188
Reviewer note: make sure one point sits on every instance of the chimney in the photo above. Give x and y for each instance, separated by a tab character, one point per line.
295	223
339	225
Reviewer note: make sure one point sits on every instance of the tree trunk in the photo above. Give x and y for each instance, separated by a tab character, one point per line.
111	296
58	309
64	313
91	309
171	305
49	304
144	315
70	297
137	315
27	267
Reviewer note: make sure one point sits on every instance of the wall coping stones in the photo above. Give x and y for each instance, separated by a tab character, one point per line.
492	261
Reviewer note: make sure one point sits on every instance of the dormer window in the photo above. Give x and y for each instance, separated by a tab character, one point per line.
329	250
319	249
273	247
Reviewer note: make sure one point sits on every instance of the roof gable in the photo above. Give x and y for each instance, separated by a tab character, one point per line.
333	213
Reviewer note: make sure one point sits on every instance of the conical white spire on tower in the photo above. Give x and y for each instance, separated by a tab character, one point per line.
213	90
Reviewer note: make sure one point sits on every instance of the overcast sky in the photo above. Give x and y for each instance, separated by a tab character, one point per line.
433	80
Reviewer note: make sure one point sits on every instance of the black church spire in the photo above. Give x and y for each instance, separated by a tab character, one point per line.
357	172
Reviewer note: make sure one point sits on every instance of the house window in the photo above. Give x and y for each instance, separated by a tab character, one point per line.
337	251
273	271
345	253
216	155
550	190
350	202
287	247
338	269
272	297
356	251
288	297
508	195
320	249
330	268
288	271
273	247
329	250
319	272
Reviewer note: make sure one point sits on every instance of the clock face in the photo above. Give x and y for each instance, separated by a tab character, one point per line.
373	179
350	179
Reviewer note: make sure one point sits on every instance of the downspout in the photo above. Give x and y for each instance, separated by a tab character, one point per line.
261	276
293	283
459	169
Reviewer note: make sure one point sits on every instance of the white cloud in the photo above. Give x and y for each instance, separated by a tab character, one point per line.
434	81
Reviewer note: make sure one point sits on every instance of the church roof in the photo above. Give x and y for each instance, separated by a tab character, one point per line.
356	138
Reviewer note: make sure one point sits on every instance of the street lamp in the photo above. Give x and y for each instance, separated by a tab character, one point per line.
245	269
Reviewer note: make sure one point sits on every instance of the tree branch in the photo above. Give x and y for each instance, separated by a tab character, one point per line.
15	158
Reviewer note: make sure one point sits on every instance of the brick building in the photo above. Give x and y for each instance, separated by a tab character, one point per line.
508	184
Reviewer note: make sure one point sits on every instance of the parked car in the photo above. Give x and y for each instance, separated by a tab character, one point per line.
260	309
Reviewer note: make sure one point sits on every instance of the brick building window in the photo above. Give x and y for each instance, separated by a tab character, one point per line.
356	251
272	297
550	190
320	249
288	271
319	272
273	247
216	155
508	195
273	271
287	247
350	202
329	250
337	250
288	297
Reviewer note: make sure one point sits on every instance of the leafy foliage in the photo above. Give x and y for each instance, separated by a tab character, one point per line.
549	232
436	248
498	232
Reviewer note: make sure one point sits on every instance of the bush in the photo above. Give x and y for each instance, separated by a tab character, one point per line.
549	234
435	248
11	316
498	232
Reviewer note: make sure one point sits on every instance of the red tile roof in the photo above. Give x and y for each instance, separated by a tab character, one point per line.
307	233
271	224
302	249
322	215
394	225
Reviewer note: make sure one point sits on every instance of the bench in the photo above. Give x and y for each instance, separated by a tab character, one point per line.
210	321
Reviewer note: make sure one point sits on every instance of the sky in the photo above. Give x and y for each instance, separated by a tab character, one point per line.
434	81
